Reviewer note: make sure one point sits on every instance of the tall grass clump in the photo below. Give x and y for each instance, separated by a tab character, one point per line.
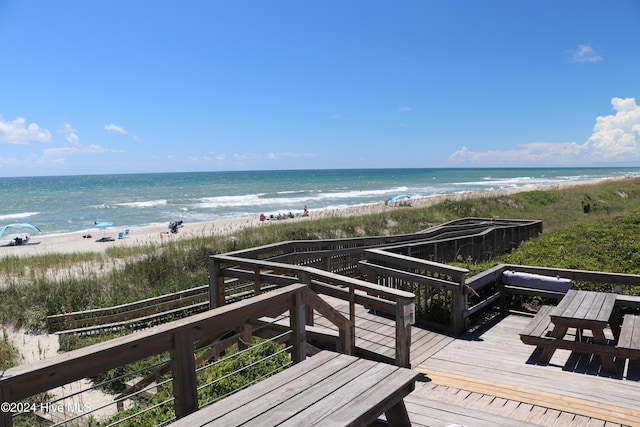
9	354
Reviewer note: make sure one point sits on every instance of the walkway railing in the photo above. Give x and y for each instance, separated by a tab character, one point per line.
133	316
232	277
404	262
22	385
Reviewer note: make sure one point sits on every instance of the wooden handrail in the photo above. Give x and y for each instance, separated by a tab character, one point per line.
315	273
177	338
125	312
322	282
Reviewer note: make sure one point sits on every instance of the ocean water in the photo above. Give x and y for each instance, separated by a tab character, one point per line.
70	204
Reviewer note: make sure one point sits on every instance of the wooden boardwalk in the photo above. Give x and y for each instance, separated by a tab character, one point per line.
489	377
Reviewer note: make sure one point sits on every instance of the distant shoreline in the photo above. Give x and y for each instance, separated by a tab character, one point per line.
152	235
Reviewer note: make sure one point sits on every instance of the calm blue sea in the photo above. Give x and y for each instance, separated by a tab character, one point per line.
68	204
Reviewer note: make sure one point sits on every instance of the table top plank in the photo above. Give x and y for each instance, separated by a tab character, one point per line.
591	306
608	306
588	307
582	308
567	305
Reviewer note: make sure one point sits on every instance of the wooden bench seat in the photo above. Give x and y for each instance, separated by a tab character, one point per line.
326	389
629	341
536	332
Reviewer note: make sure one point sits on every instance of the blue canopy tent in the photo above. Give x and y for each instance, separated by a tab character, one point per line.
19	240
18	225
399	197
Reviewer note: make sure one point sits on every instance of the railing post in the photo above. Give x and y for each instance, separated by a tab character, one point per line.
305	277
183	369
458	306
297	324
257	282
326	263
405	314
6	417
216	284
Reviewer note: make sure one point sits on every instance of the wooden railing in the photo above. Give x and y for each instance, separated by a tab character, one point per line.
470	240
446	298
403	262
261	275
178	338
441	295
133	316
492	278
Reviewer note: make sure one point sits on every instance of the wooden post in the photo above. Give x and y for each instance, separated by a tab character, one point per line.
458	306
183	369
6	417
326	263
405	313
305	278
297	324
372	277
216	284
257	281
352	304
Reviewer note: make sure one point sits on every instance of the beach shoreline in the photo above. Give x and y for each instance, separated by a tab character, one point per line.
155	235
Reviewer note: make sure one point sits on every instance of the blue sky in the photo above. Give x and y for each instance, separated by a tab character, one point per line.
93	87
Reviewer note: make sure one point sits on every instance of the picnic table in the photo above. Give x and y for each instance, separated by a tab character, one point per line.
580	310
328	389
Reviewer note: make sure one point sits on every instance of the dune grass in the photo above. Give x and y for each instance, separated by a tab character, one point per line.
594	227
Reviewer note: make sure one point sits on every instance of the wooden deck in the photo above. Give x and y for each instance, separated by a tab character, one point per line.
489	377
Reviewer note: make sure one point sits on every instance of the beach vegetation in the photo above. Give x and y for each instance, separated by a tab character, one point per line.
9	353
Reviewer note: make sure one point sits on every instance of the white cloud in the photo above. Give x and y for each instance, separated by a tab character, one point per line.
403	109
9	162
544	153
111	128
586	53
69	134
18	132
79	149
615	140
617	136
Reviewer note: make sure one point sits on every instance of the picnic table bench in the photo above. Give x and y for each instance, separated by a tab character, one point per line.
584	310
328	389
629	341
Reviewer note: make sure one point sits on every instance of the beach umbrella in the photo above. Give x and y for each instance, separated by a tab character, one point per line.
399	197
104	226
18	225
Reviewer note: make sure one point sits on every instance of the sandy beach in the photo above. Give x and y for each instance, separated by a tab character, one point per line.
76	243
